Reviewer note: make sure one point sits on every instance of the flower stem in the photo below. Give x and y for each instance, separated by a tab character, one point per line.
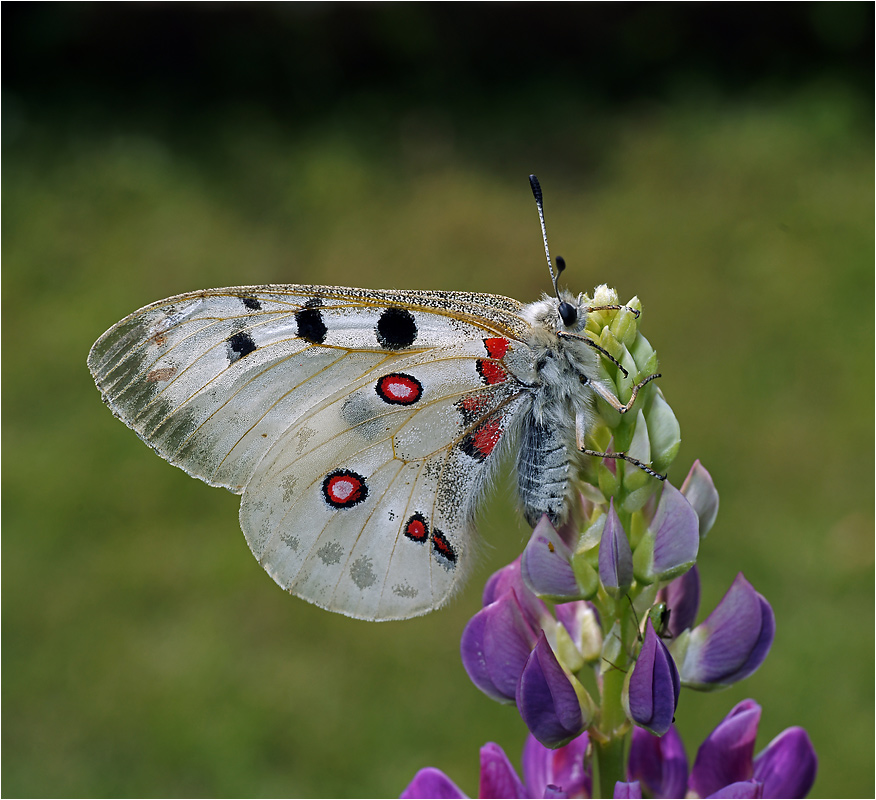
610	746
609	762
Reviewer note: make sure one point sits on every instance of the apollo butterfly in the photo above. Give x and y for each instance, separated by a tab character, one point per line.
362	427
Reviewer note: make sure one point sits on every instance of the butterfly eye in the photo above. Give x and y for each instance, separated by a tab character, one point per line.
568	313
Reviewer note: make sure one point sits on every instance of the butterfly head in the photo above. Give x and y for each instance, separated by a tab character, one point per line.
564	312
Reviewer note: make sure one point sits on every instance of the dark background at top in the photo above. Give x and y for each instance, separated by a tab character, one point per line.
171	62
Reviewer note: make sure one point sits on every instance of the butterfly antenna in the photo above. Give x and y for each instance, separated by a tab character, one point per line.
568	312
561	266
539	201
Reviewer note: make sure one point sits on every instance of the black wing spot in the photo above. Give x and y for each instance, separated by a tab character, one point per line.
251	303
396	329
311	325
239	345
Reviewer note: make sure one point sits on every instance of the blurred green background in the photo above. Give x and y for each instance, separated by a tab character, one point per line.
715	160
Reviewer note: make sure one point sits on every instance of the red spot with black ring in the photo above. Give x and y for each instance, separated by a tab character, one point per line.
417	529
399	389
344	488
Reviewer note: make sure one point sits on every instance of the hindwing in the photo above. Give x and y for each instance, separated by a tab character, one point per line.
361	426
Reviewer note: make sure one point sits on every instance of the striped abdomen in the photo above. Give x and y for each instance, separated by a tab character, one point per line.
543	472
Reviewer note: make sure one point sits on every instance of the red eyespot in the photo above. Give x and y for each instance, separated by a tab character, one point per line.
416	528
344	488
399	389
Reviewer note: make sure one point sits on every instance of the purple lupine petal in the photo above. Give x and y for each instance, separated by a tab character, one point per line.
498	778
615	556
732	642
669	546
547	700
564	768
499	582
653	685
676	530
788	764
725	756
627	791
682	598
554	792
741	790
508	641
659	763
700	491
431	783
545	564
495	645
474	659
502	580
509	577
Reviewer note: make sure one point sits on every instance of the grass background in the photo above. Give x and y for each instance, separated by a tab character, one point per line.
168	148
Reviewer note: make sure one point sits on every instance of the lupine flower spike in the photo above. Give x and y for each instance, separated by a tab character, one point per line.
610	601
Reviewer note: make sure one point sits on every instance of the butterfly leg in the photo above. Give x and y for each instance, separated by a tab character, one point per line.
599	348
633	311
616	404
581	428
623	456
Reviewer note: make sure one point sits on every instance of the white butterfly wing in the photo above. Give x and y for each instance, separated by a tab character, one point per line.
366	505
210	379
215	380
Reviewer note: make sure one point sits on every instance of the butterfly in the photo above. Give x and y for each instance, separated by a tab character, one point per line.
362	427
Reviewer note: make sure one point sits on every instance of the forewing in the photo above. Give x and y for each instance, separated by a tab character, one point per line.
365	504
213	380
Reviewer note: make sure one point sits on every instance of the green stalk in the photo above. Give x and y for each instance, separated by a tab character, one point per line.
610	742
